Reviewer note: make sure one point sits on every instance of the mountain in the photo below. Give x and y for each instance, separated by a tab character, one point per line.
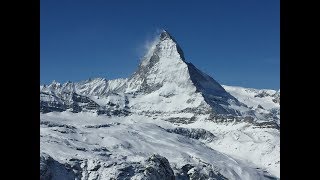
177	86
263	101
164	84
168	120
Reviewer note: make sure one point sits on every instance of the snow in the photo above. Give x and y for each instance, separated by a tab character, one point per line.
118	99
246	96
150	51
170	70
132	139
166	88
258	146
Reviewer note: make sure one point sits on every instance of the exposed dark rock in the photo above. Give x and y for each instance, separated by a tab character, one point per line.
98	126
126	172
181	120
80	99
53	124
158	167
267	124
198	172
193	133
75	108
262	94
52	169
54	103
101	125
101	149
276	98
65	130
77	103
45	173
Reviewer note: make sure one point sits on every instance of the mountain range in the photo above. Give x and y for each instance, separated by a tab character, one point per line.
169	120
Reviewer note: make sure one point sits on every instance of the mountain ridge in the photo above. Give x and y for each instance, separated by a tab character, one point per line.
164	77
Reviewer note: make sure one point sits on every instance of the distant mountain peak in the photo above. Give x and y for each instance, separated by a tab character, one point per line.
164	71
165	35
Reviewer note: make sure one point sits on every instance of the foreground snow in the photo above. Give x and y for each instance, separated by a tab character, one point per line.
101	142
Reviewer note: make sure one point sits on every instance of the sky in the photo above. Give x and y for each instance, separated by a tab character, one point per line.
235	42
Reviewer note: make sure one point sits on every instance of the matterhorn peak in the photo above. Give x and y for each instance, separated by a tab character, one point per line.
164	62
165	71
168	44
165	35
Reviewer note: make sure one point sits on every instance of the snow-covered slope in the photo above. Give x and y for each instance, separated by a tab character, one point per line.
266	98
253	145
92	147
168	120
263	101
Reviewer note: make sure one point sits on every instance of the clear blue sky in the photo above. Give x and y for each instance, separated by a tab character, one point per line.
236	42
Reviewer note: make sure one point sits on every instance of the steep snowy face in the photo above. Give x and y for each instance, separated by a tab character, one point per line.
162	67
172	84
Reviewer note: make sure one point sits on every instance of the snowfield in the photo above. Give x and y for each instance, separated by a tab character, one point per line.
102	141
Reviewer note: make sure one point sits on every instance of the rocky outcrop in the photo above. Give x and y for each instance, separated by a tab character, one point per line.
193	133
198	172
153	168
51	169
158	167
63	101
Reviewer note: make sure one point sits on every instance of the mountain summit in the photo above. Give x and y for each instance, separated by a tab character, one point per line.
164	35
165	73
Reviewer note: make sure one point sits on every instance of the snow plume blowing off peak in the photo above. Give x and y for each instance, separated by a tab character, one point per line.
163	42
162	63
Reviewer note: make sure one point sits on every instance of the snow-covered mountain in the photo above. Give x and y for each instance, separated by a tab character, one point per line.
168	120
263	101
